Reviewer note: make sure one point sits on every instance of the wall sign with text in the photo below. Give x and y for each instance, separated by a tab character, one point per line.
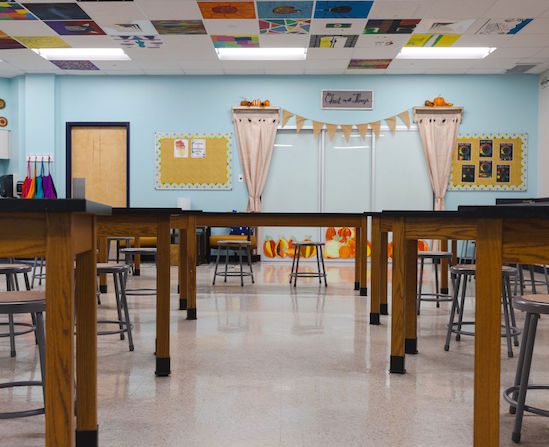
490	162
347	99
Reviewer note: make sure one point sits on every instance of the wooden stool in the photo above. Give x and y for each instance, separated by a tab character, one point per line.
320	273
235	246
26	302
436	256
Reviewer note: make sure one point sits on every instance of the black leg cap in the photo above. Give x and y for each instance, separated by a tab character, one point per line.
87	438
103	289
374	318
363	291
178	289
162	367
191	314
137	272
182	303
410	346
357	286
397	364
515	437
444	290
383	309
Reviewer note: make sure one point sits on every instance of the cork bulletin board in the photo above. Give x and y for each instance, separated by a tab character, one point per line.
490	162
193	161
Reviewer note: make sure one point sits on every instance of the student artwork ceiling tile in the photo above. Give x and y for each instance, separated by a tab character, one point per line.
235	41
133	27
503	26
179	26
444	26
42	41
285	10
227	10
57	11
369	64
138	41
432	40
14	11
285	26
333	41
342	10
75	27
75	65
398	26
7	43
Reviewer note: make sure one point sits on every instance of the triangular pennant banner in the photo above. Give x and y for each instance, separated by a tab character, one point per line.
317	127
392	122
331	128
405	116
376	127
362	130
286	116
299	120
347	129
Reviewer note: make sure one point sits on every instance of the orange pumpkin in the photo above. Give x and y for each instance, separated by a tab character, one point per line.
368	248
352	245
256	102
344	232
281	247
331	249
291	248
422	246
269	247
345	251
330	233
390	249
307	252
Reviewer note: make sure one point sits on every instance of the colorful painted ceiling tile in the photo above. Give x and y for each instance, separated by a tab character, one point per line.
333	41
285	26
432	40
398	26
179	26
75	27
368	64
75	65
343	10
138	41
235	41
42	41
503	26
7	43
444	26
14	11
227	10
338	25
284	10
133	27
57	11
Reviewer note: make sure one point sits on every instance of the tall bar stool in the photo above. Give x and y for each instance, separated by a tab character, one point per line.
129	254
11	271
34	303
533	305
38	271
237	247
127	240
437	296
533	281
119	273
460	275
320	273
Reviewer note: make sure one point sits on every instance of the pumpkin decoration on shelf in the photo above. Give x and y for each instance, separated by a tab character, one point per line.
307	251
281	247
255	103
269	247
439	101
291	247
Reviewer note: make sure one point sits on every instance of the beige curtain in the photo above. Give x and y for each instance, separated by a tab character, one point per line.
255	134
438	134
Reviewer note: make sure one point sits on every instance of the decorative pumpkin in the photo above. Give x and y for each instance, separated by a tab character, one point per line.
429	103
330	233
345	251
422	245
265	103
368	248
331	249
440	102
256	102
390	249
307	252
351	243
344	232
269	247
281	247
291	247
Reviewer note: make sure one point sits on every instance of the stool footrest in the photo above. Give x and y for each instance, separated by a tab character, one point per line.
512	330
530	409
22	413
15	323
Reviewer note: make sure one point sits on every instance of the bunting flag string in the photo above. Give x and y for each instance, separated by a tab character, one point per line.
346	128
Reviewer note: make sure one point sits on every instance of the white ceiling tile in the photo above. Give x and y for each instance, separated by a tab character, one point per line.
376	53
485	71
91	41
483	40
338	64
117	65
462	9
382	40
284	67
247	71
325	71
170	9
228	27
284	40
330	53
26	28
200	64
123	72
540	69
367	72
513	52
163	71
512	8
203	71
394	10
320	26
112	11
527	40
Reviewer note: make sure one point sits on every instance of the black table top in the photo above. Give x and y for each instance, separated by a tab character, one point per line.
152	210
538	210
53	206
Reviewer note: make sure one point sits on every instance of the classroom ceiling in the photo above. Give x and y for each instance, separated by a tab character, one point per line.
176	37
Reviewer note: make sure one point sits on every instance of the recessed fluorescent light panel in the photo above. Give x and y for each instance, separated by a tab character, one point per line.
262	54
78	54
444	52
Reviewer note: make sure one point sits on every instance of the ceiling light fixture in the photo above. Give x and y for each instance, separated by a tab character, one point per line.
77	54
261	54
444	52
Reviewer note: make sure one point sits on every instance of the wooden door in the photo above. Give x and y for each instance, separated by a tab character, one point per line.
100	155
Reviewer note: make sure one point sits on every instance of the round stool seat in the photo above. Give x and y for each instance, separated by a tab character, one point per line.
119	238
139	251
235	243
111	268
14	268
538	304
23	302
471	269
434	254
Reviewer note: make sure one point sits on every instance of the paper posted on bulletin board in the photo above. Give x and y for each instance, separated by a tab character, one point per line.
490	162
193	161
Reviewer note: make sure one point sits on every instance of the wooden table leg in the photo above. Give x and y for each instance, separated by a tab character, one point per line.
137	258
444	268
375	271
398	301
163	296
383	308
364	256
487	332
191	268
358	255
182	269
410	339
60	332
454	251
86	347
103	253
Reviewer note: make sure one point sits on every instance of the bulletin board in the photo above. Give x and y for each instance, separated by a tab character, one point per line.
193	161
490	162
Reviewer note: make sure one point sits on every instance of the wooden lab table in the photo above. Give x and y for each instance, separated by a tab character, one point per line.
60	230
510	234
186	224
138	222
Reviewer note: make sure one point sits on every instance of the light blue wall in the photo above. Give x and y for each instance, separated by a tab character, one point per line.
203	104
9	92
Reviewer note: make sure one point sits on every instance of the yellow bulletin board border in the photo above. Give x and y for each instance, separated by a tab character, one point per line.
187	165
516	168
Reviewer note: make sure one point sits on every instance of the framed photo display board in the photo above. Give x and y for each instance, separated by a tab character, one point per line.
490	162
193	161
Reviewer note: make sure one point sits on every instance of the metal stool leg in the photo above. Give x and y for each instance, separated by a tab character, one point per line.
505	303
455	283
293	263
323	266
461	309
216	264
437	290
318	265
118	304
520	364
532	280
124	302
248	253
40	336
546	277
420	287
297	266
226	262
241	268
512	310
12	335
